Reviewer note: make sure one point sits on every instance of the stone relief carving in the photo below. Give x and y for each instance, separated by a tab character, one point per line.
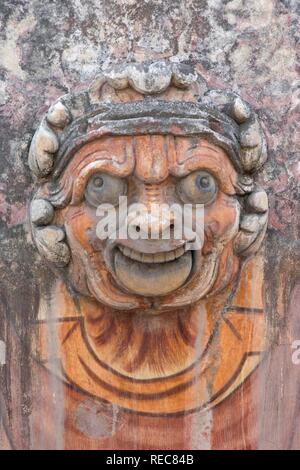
146	324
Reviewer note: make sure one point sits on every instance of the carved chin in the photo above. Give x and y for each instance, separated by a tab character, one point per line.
152	275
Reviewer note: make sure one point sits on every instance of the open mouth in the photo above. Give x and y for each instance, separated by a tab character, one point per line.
152	274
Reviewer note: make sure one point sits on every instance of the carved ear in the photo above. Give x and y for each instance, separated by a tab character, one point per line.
253	224
49	239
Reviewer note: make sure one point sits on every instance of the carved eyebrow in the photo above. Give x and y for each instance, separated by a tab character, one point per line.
89	169
206	157
193	146
115	152
88	160
204	145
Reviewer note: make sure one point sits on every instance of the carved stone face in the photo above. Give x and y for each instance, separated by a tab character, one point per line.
152	273
179	322
175	147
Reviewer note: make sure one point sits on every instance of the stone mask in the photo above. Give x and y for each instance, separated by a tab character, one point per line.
153	133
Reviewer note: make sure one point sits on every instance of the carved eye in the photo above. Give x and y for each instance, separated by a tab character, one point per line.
102	188
199	187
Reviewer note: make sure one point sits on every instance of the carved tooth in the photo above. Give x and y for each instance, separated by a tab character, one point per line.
179	252
130	253
159	258
147	258
170	256
126	251
135	255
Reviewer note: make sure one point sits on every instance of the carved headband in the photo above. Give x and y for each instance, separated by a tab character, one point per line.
76	119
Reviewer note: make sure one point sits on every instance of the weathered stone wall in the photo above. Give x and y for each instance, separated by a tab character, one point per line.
49	48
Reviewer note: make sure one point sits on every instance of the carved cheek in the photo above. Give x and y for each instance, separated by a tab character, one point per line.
80	227
221	220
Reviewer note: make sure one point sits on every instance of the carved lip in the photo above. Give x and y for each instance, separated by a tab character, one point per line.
152	274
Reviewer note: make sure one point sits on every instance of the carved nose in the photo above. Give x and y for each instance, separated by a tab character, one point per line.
151	225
